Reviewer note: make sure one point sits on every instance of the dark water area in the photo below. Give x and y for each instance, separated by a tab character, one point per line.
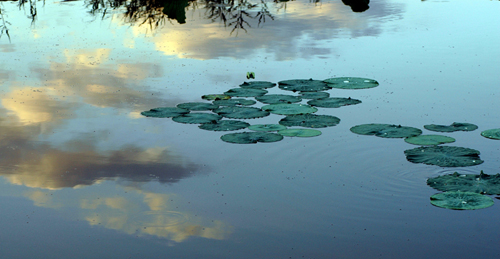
84	175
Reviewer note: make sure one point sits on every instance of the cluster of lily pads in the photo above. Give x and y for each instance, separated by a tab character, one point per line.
461	192
235	104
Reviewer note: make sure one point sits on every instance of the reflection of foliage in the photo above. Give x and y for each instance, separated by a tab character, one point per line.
3	26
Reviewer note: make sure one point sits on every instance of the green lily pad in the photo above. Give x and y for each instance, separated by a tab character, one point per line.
224	125
195	118
289	109
245	92
482	183
251	137
461	200
333	102
310	121
314	95
444	156
386	130
235	102
197	106
299	132
455	126
429	140
266	127
303	85
241	112
212	97
491	133
351	82
258	85
278	98
164	112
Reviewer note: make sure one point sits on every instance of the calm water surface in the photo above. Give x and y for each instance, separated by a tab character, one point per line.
84	175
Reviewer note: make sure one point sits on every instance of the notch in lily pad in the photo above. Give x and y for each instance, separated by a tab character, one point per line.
455	126
444	156
429	140
491	133
351	82
251	137
479	183
461	200
164	112
289	109
333	102
386	130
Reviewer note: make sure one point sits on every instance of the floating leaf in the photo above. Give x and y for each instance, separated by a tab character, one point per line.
266	127
245	92
300	132
224	125
429	140
278	98
289	109
258	85
310	121
333	102
461	200
303	85
314	95
251	137
444	156
164	112
241	112
195	118
235	102
491	133
197	106
455	126
212	97
250	75
351	82
481	183
386	130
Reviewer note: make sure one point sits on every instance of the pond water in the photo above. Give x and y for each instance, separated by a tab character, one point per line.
85	175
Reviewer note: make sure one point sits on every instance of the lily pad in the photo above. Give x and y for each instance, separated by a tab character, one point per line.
212	97
241	112
289	109
333	102
266	127
314	95
251	137
299	132
429	140
235	102
258	85
491	133
351	82
444	156
482	183
245	92
461	200
303	85
164	112
455	126
278	98
224	125
310	121
386	130
195	118
197	106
